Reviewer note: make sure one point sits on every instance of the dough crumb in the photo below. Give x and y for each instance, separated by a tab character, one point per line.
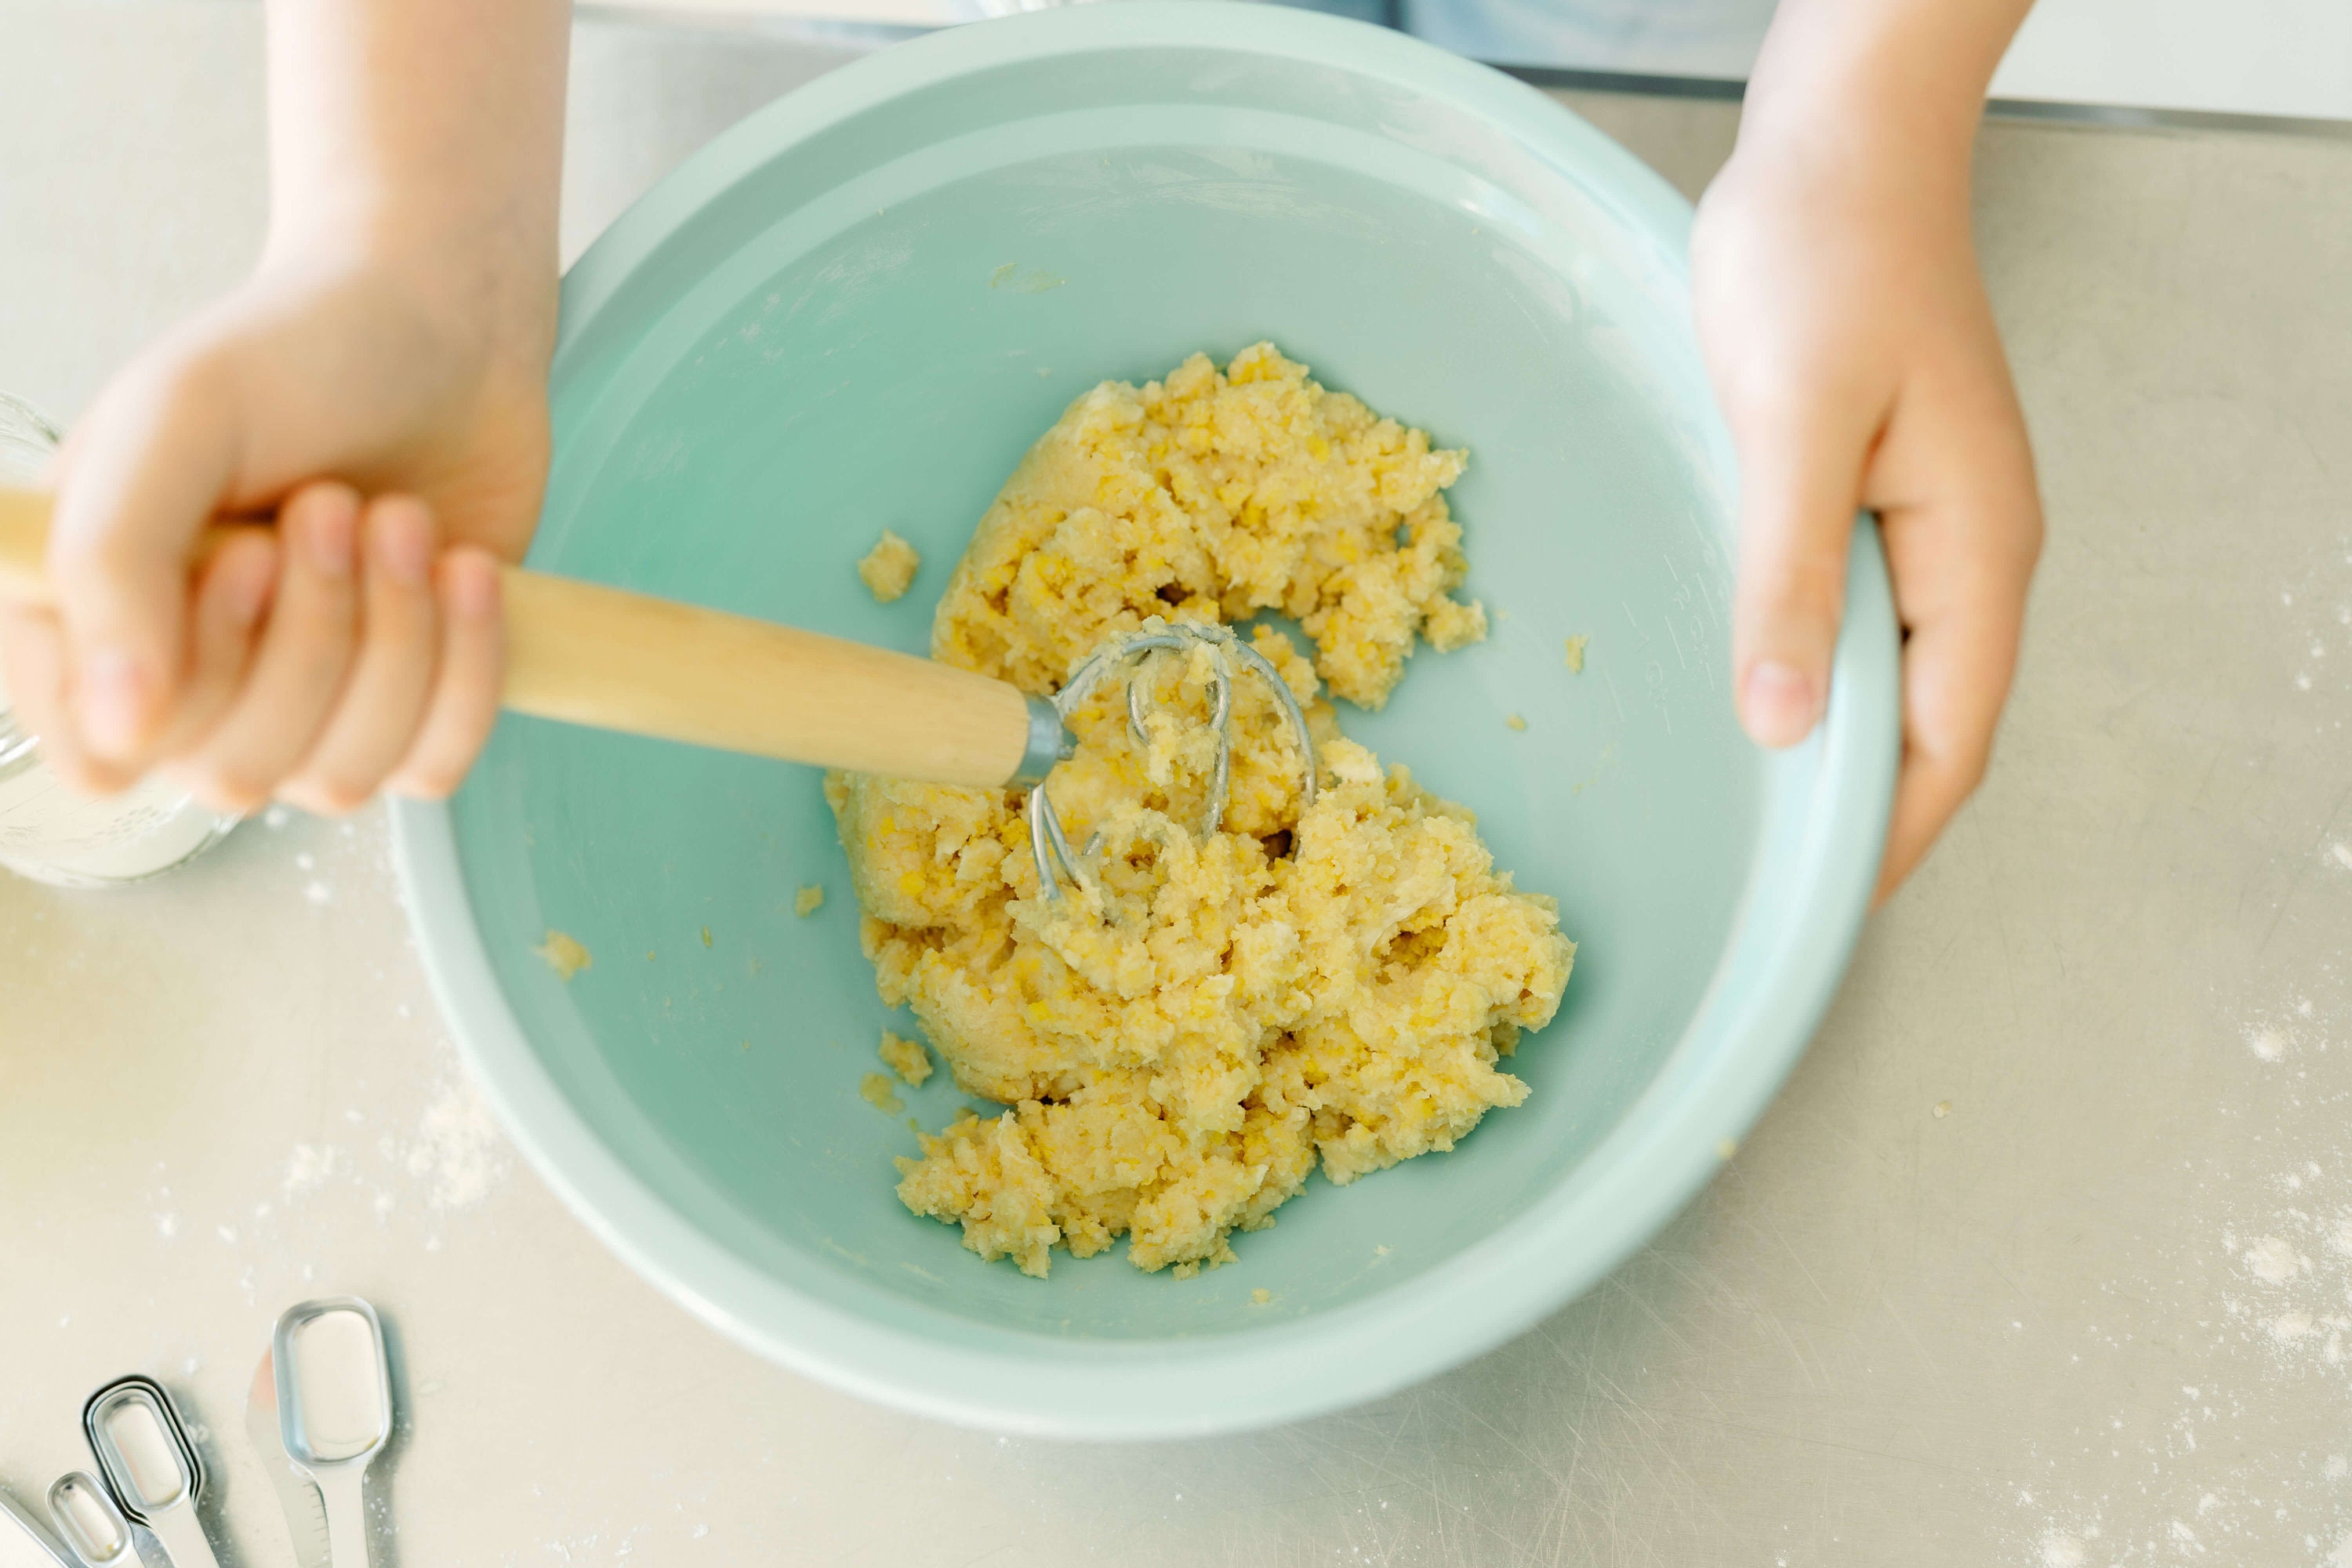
907	1059
1575	653
1261	1296
875	1090
1514	721
563	955
1726	1148
1943	1108
808	900
1213	495
1177	1046
889	567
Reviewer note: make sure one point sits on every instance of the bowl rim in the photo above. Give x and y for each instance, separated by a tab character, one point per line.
1666	1145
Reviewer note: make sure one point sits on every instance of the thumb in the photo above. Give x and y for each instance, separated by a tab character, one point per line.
142	477
1800	467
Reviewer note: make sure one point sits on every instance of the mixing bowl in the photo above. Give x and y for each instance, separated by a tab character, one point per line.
854	311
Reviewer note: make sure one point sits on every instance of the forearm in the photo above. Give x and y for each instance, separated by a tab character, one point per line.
427	133
1899	84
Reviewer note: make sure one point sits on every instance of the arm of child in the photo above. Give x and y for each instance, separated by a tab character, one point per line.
378	383
1857	363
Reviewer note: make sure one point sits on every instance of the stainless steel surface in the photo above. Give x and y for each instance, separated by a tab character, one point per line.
2092	1312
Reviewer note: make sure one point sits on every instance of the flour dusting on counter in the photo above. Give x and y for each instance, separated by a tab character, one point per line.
459	1154
2264	1305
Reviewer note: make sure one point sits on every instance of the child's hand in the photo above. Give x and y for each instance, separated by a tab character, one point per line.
360	649
378	385
1857	364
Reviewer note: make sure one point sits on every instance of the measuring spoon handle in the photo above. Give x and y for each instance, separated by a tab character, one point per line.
347	1542
183	1538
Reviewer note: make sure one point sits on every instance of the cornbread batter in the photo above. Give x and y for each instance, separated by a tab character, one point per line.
907	1059
1211	497
889	568
1184	1041
564	954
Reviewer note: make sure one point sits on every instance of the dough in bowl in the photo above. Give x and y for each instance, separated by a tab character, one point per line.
1179	1044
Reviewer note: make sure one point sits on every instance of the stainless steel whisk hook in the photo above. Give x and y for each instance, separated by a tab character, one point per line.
1047	841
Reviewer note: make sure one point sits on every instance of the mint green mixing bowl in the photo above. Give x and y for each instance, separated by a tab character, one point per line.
854	311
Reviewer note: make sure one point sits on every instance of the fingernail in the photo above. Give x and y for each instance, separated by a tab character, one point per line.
112	700
329	537
403	548
1779	704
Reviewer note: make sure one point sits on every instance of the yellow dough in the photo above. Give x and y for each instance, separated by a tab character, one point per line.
1179	1046
1209	497
564	954
907	1059
889	567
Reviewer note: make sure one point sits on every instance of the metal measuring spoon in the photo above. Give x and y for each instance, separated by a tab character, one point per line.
26	1542
92	1526
334	1409
149	1464
306	1516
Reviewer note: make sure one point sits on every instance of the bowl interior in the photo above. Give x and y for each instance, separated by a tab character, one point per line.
863	329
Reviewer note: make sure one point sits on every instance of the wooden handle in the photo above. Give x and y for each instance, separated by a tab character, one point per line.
617	660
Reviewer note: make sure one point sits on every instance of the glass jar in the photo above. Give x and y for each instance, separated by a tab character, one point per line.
48	832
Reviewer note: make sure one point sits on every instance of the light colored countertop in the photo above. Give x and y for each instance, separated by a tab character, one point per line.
1985	1286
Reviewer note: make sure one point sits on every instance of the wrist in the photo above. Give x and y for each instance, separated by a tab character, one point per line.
1834	135
488	285
1885	94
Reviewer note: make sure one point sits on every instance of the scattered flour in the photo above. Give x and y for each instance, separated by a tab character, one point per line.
2272	1261
2060	1550
2257	1292
459	1152
308	1168
2288	1328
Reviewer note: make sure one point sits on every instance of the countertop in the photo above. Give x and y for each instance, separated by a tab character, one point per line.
2043	1256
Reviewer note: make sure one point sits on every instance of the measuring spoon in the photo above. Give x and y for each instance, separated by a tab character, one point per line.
86	1515
334	1409
306	1516
150	1466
